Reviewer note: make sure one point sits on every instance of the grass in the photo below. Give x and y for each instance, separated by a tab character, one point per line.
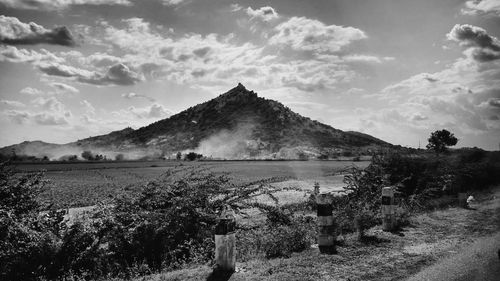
388	256
86	183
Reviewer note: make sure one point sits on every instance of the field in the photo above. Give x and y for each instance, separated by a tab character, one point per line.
86	183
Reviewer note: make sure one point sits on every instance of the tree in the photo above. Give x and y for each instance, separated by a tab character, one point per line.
440	140
87	155
178	156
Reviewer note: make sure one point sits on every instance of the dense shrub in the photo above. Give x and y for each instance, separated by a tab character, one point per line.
276	240
28	238
168	224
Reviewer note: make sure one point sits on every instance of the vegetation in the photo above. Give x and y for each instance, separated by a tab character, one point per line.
440	140
168	222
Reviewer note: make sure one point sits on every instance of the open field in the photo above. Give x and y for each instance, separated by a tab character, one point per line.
85	183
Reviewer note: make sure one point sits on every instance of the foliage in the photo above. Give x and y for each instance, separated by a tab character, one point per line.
167	225
274	240
440	139
191	156
361	202
28	238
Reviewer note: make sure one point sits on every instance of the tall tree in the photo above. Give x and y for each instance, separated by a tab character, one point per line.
440	140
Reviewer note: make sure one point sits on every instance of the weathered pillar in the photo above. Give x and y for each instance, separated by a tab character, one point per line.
326	227
388	209
225	241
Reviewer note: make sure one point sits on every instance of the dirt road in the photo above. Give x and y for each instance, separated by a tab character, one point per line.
477	261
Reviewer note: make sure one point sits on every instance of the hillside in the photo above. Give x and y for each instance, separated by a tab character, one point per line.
236	124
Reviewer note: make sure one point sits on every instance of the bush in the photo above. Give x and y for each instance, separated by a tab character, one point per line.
28	238
276	240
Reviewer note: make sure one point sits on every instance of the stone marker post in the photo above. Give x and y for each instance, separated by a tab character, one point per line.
388	209
326	227
225	241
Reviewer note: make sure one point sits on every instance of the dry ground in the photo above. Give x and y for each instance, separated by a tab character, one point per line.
429	238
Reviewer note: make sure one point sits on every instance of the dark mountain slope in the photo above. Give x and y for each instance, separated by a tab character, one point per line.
236	124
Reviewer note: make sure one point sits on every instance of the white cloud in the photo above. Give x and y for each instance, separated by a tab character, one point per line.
461	98
88	108
64	88
59	4
264	13
134	96
136	114
15	32
17	55
481	7
53	113
305	34
171	2
31	91
12	103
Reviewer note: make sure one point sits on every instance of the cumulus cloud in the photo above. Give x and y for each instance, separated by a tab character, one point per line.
51	112
305	34
118	74
134	96
264	13
59	4
483	46
481	7
31	91
15	32
19	55
154	111
214	60
49	104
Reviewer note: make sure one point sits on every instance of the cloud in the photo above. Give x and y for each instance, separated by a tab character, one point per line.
264	13
49	104
362	58
63	88
31	91
88	108
154	111
15	32
134	96
16	55
57	69
305	34
482	7
59	4
52	113
171	2
118	74
214	60
12	103
483	46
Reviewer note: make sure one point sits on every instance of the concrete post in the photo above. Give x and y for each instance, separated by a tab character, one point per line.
225	241
388	210
326	226
316	189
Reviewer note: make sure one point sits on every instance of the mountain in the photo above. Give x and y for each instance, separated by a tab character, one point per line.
236	124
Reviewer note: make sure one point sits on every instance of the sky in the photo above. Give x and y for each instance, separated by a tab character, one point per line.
394	69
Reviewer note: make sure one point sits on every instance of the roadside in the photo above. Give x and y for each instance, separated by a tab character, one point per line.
431	238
